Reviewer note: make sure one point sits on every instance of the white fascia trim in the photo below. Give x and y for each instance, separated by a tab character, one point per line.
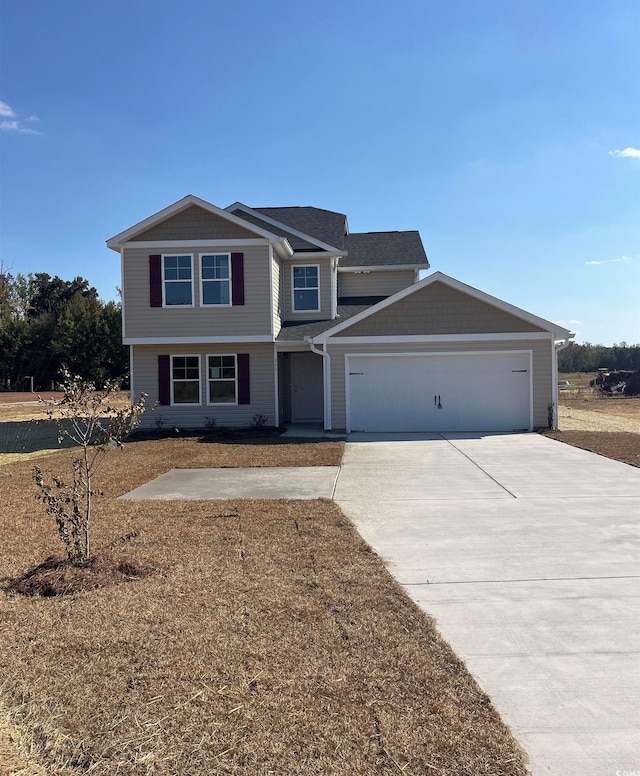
177	207
258	338
236	242
289	346
301	255
555	329
426	338
381	267
306	237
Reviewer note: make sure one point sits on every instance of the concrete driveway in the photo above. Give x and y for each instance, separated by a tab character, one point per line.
525	551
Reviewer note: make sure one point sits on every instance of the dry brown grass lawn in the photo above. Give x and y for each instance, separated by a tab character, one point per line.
273	642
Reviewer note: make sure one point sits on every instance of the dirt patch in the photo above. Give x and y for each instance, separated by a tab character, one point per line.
591	417
58	576
621	446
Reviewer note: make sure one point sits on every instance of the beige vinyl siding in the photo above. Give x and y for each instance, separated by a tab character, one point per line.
438	309
195	223
542	365
278	312
261	377
251	319
374	283
325	290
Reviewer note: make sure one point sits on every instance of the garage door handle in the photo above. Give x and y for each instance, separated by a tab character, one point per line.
519	370
436	401
356	373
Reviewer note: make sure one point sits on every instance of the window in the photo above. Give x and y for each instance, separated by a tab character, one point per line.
215	277
185	379
177	276
222	376
306	290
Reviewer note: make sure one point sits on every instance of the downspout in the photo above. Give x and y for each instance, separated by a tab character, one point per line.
326	374
557	346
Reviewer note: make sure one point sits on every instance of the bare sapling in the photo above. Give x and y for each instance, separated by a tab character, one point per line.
92	420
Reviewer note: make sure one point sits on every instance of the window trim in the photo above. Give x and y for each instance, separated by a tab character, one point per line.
317	309
171	380
209	280
164	256
222	379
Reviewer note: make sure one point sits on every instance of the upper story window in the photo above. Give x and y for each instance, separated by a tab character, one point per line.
306	288
215	279
177	280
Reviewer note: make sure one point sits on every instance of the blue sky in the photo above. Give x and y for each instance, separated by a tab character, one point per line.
507	132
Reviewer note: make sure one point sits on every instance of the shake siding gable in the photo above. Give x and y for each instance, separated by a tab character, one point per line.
194	223
438	309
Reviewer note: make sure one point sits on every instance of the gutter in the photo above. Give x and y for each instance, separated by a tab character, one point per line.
326	374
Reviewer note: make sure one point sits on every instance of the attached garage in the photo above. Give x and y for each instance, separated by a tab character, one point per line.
476	391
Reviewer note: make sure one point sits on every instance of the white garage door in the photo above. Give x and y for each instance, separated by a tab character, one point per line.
441	392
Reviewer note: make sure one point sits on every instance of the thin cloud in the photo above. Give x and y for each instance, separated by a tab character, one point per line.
621	260
627	153
570	323
12	123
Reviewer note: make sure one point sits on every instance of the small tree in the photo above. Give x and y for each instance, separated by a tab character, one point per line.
89	418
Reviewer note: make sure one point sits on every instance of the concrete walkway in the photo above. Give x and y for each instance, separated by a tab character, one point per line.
525	551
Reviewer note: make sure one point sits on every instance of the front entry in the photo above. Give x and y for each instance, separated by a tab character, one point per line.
307	392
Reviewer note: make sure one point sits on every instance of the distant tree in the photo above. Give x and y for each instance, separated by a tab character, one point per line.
46	321
589	358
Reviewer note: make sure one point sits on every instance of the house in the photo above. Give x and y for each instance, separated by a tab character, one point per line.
283	312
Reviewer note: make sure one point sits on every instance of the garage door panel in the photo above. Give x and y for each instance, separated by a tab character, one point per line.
470	392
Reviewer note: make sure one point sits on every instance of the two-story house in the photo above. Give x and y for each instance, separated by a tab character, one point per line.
283	312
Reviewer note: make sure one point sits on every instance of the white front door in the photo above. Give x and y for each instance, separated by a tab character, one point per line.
307	392
452	392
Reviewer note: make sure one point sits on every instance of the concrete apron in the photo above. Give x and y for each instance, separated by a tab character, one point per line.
525	551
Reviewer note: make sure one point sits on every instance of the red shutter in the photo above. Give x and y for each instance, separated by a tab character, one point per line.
237	278
164	380
244	394
155	281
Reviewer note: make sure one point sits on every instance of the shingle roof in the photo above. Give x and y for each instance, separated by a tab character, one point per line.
380	248
324	225
347	307
297	243
364	248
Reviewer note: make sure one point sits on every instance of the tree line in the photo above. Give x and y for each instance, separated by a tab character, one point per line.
589	358
47	322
